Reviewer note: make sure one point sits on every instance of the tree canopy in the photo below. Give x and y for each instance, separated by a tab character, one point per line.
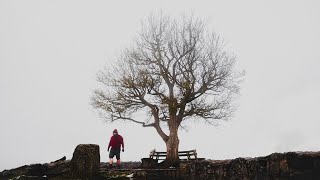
175	69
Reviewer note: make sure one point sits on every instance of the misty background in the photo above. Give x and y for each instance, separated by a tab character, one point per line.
50	52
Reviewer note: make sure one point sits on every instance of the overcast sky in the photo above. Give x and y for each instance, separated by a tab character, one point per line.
50	52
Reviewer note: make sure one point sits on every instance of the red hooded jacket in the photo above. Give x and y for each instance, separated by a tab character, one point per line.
116	141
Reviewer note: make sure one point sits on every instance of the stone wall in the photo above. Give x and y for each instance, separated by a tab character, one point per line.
291	165
85	165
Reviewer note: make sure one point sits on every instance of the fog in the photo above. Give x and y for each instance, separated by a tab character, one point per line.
50	52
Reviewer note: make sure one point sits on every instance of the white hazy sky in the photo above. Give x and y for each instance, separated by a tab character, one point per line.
50	52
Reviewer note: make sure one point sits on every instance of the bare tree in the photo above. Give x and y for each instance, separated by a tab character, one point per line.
176	70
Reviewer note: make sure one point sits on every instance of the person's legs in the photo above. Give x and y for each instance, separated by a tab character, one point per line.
118	158
111	155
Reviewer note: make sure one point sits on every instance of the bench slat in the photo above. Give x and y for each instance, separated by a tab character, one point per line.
162	152
160	155
164	155
187	151
179	154
186	154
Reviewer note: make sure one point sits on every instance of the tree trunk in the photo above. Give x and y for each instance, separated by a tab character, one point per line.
172	144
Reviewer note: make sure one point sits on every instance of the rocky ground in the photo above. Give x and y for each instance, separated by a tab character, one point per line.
60	170
85	164
291	165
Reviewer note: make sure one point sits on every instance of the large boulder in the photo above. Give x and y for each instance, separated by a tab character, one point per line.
85	161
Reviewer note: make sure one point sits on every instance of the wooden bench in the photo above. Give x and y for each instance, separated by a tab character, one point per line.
154	157
183	155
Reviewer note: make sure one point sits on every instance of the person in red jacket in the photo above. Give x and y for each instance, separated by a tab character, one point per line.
116	141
